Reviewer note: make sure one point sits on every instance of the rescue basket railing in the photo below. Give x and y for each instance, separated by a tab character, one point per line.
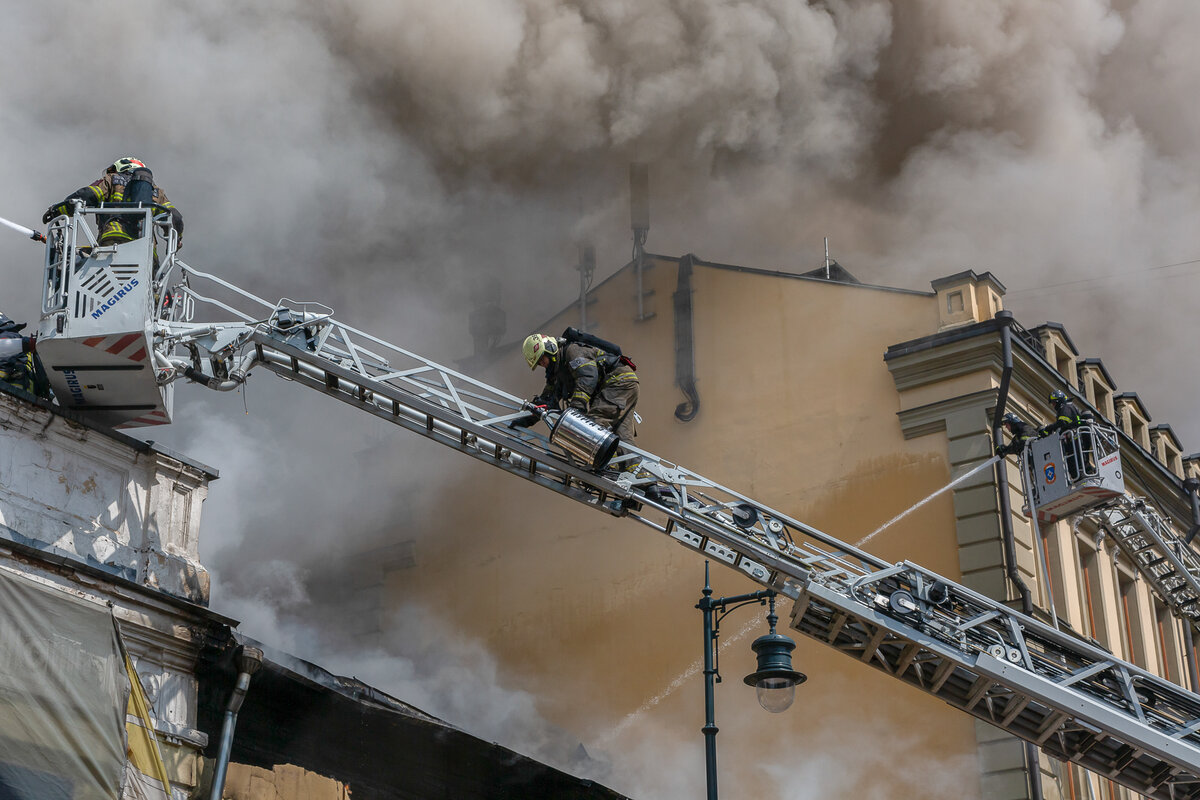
71	241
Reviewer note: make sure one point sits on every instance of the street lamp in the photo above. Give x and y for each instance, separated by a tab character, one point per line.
774	681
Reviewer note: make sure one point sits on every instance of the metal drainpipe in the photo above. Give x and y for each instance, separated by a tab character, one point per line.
249	661
1032	761
1192	487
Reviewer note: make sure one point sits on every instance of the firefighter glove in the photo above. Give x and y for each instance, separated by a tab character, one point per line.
50	214
525	421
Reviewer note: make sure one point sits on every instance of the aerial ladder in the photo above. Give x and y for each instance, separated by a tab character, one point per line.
122	325
1078	472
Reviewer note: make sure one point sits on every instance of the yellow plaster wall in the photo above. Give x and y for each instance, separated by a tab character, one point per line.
284	782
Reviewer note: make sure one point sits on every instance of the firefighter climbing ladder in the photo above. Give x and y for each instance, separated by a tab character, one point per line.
1073	699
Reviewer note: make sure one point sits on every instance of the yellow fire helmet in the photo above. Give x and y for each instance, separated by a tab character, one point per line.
537	345
127	164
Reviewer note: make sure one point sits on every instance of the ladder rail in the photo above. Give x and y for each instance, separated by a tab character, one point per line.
1031	664
1156	552
1069	696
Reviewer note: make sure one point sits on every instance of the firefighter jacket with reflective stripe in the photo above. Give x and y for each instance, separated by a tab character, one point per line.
110	188
16	365
1067	417
1020	437
578	372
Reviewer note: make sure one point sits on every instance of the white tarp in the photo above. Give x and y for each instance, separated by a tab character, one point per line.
63	696
145	774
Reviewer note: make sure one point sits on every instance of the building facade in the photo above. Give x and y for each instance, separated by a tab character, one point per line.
843	405
103	599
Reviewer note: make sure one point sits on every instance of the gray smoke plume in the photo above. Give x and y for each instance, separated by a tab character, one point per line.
386	157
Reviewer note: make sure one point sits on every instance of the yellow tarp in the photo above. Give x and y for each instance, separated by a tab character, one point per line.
145	773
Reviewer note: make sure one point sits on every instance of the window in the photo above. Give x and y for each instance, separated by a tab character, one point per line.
1132	627
1195	660
1103	399
181	514
1064	364
954	303
1056	577
1137	429
1089	567
1167	640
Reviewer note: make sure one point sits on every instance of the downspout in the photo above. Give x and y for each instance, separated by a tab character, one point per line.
685	346
1192	487
249	661
1032	760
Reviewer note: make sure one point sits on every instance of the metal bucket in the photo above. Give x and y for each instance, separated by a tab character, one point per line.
584	439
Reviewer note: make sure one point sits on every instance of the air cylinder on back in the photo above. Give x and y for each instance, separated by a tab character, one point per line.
584	438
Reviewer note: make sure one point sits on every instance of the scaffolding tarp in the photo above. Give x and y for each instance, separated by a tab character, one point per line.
63	695
145	774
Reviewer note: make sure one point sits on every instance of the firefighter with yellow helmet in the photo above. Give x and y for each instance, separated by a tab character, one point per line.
127	181
587	374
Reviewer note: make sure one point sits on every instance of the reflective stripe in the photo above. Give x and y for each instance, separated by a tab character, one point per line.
621	376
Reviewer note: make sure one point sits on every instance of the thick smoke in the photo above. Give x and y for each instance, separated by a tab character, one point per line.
386	157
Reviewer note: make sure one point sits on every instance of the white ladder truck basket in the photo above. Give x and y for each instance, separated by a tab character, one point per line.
1073	471
99	308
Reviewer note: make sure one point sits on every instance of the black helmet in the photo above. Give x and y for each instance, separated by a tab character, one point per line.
1011	419
8	326
1058	396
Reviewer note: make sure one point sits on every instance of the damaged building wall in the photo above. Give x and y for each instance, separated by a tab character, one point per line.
93	519
107	519
104	498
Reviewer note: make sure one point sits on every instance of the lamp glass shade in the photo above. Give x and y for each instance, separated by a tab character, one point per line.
775	681
776	694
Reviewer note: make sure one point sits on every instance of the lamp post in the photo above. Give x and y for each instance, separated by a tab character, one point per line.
775	681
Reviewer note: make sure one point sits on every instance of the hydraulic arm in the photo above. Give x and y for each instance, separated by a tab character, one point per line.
1073	699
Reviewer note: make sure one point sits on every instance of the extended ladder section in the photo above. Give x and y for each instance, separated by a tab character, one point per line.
1161	556
1079	472
1073	699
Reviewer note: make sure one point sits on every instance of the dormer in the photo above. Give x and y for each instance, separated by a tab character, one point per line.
966	298
1133	418
1191	466
1097	386
1166	448
1060	350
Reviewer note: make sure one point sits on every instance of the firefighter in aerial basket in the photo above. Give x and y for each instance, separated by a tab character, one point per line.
125	182
585	375
1068	418
1021	433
